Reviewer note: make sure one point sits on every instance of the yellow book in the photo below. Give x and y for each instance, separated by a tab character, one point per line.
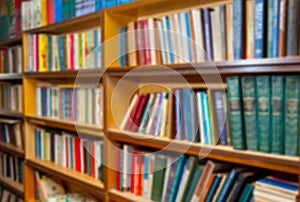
44	13
43	53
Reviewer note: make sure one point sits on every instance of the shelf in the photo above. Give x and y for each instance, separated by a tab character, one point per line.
254	66
12	41
115	195
79	179
13	186
12	114
223	153
10	76
67	26
66	125
11	149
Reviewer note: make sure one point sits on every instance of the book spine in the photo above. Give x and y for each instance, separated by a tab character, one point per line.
277	114
292	28
227	186
187	115
250	112
238	28
291	115
275	28
158	178
282	28
220	114
259	28
264	113
270	13
250	30
207	35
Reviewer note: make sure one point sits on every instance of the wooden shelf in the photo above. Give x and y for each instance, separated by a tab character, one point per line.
223	153
10	76
13	186
115	195
12	41
66	125
79	179
71	25
11	149
12	114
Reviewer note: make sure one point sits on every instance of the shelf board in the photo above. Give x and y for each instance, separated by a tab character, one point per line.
82	22
13	186
67	125
12	114
12	41
223	153
10	76
11	149
115	195
252	66
79	179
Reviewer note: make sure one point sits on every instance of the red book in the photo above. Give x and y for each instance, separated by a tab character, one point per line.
139	115
36	42
72	52
77	154
118	184
133	113
132	188
50	11
67	151
140	175
92	146
18	17
146	42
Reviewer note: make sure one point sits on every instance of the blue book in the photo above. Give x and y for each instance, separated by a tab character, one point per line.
207	34
238	29
180	168
61	50
179	118
37	143
189	37
122	46
170	44
58	10
276	20
205	118
187	115
98	5
280	184
227	186
213	188
50	48
246	194
259	28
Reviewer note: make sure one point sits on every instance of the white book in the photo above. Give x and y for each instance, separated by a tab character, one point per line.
167	49
152	41
153	111
178	38
152	157
184	38
127	115
214	34
63	151
162	39
160	130
271	197
224	179
198	29
42	144
174	32
82	165
218	39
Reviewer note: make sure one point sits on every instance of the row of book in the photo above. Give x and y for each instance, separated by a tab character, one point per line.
265	28
82	104
192	36
7	196
12	167
11	132
10	19
37	13
168	178
51	190
64	52
11	60
11	97
264	113
81	154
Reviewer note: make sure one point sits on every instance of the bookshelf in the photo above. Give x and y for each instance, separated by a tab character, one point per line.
14	187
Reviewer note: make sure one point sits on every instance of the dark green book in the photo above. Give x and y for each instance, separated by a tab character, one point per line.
158	177
250	112
246	194
263	97
235	111
277	114
196	177
187	178
291	115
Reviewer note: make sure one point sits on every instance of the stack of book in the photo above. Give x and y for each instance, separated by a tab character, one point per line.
11	132
12	167
11	60
64	52
83	104
274	189
147	114
80	154
8	196
11	97
10	19
196	35
165	178
264	113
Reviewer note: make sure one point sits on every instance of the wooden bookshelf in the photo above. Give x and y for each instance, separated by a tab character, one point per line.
13	186
115	195
12	41
12	114
87	183
11	149
85	73
11	76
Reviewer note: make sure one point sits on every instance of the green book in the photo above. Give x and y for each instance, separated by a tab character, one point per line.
246	193
291	115
193	184
235	112
263	97
270	29
250	112
277	114
158	177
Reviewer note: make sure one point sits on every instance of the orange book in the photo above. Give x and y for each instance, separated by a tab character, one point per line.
132	44
207	188
250	29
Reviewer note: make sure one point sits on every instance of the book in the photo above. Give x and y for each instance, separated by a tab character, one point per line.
250	29
260	25
292	48
158	178
238	28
